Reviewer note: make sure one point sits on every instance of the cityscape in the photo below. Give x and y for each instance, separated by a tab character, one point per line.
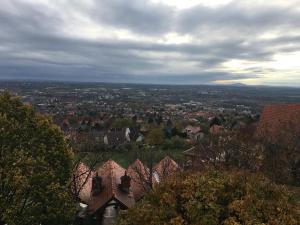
160	112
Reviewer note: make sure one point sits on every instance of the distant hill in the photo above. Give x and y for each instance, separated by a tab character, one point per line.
238	85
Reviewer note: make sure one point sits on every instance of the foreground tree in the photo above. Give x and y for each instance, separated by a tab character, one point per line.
35	167
282	156
215	198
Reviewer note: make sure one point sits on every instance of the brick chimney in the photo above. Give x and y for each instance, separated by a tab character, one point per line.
96	185
125	183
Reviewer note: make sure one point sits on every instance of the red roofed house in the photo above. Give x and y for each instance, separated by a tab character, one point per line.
111	188
279	123
82	182
194	132
110	192
165	168
140	179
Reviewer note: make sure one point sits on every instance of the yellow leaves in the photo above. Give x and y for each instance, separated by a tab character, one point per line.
167	200
231	221
214	198
176	221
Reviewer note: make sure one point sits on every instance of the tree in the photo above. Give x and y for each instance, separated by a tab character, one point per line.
35	167
227	151
281	147
83	168
214	198
282	162
155	137
122	123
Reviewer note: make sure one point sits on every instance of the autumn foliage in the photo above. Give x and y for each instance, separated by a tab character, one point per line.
215	198
35	167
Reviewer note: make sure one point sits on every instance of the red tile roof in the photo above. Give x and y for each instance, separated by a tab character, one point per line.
83	181
166	167
278	123
111	172
139	174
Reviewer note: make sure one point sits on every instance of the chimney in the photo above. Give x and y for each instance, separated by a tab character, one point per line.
96	185
125	183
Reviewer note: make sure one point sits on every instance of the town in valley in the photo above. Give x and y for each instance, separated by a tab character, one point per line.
139	134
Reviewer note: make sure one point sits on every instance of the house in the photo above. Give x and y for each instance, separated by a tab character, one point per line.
118	137
133	134
82	182
115	137
279	124
194	132
111	191
111	188
200	157
140	176
165	168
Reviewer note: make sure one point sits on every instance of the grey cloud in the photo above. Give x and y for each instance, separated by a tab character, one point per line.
237	17
28	18
34	46
141	16
42	71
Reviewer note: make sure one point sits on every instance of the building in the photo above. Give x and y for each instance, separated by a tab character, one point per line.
194	133
111	191
140	179
201	157
165	168
111	188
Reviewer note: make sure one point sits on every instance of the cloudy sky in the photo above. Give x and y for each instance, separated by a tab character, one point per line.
152	41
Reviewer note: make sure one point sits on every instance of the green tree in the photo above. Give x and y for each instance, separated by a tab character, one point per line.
122	123
155	137
215	198
35	167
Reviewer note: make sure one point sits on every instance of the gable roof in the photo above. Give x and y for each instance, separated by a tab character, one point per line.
278	123
201	153
111	174
166	167
83	182
139	174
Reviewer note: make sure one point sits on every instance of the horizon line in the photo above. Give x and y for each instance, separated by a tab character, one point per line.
236	84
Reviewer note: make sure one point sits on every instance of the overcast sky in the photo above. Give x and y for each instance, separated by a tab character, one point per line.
152	41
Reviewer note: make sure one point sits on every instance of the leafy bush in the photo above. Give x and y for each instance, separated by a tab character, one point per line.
213	198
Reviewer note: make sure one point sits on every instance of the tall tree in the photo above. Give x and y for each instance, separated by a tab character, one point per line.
35	167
